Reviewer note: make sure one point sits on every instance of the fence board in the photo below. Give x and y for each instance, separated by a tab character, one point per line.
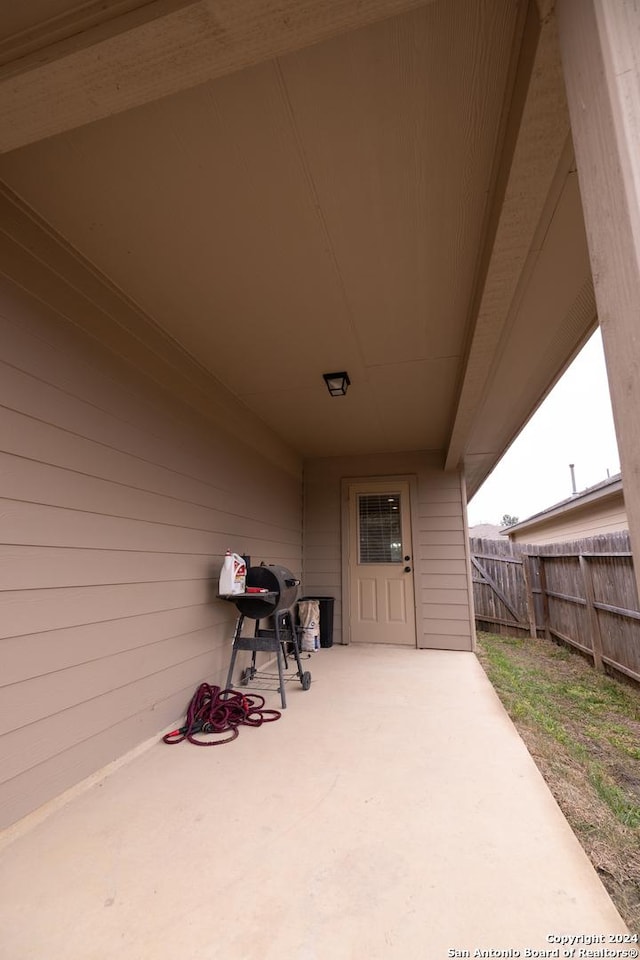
594	623
581	592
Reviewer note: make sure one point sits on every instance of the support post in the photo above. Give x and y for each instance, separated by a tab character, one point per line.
600	49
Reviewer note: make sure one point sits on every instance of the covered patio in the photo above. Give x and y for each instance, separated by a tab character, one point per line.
392	812
209	206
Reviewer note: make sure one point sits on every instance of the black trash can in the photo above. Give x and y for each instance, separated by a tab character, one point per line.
326	619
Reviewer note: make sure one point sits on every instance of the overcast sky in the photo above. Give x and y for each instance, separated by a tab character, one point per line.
573	425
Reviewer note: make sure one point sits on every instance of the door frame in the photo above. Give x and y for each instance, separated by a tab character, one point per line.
345	485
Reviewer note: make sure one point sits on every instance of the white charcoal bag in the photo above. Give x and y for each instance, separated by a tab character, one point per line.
309	616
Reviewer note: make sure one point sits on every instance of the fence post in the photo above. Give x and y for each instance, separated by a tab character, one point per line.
531	608
542	573
592	613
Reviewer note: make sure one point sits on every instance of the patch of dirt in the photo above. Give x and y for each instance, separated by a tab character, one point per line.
582	731
614	850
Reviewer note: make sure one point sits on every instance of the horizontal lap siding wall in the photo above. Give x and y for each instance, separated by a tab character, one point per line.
118	503
590	521
440	554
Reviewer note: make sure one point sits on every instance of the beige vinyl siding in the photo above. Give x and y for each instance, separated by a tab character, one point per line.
117	504
608	516
440	551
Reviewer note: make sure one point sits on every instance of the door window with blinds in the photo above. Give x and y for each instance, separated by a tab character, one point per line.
379	528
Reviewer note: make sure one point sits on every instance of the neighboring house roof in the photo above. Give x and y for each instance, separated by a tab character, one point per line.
486	531
610	487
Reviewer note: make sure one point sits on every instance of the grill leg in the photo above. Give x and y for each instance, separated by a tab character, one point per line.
279	655
283	696
234	652
296	654
283	647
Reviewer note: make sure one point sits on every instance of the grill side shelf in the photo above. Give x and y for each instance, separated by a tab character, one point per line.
271	595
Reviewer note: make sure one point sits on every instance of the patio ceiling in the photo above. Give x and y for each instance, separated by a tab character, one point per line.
390	194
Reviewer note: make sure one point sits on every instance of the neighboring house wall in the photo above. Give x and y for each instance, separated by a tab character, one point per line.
607	516
440	555
118	505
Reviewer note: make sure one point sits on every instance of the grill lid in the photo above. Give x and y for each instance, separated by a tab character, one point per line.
282	587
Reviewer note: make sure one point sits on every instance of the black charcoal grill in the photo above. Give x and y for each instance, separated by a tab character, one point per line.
277	593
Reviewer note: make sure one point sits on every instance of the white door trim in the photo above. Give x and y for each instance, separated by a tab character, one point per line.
345	484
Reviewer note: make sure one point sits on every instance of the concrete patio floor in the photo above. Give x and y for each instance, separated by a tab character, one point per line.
392	812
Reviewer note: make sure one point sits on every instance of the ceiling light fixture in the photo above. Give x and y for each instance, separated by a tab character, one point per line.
337	383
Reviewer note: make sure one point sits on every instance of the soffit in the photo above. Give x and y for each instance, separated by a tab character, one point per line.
543	329
541	157
319	211
553	314
535	302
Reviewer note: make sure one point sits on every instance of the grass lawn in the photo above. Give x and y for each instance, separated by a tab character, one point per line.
583	731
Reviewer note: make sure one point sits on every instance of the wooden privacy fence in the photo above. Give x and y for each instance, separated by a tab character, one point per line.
583	593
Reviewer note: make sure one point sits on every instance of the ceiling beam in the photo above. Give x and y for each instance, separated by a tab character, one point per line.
535	146
28	40
162	47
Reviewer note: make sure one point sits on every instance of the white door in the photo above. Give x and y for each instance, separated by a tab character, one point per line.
381	604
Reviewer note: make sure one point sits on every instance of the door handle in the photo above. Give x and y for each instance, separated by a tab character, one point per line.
407	557
407	569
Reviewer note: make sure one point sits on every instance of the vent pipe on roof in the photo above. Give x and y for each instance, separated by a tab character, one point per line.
573	479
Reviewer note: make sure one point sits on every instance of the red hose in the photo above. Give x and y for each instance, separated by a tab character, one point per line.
213	710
